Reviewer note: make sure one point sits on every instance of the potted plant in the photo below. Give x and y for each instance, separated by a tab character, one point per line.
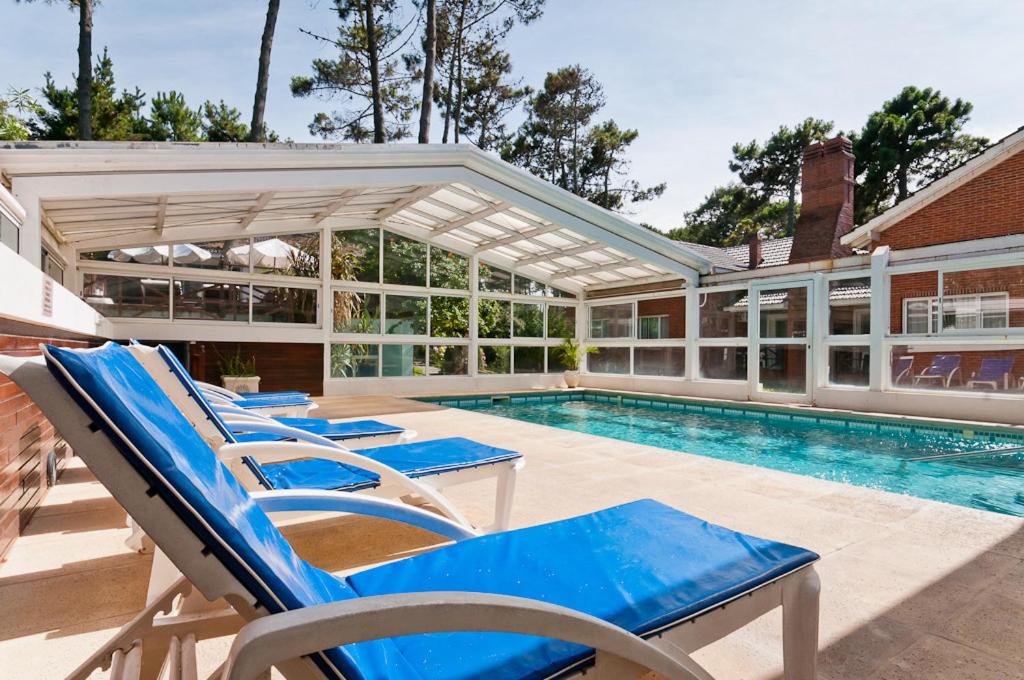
239	374
571	354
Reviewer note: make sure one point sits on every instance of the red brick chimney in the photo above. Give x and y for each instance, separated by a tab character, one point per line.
755	256
826	209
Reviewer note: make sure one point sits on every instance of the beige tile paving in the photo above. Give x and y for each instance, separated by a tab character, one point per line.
911	588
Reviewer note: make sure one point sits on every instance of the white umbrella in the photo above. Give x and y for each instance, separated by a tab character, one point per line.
270	254
184	253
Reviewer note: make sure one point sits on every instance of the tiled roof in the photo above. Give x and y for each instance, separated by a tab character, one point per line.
774	252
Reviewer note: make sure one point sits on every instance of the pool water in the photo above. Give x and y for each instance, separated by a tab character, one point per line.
877	453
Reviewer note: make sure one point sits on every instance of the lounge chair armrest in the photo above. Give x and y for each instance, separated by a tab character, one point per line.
275	451
216	389
214	398
273	427
289	635
317	500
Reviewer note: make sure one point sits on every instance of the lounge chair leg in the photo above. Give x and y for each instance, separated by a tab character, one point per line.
135	540
506	491
800	626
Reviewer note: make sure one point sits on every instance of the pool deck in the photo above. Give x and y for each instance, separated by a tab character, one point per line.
910	588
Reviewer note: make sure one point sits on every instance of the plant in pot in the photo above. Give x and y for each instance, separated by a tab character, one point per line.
571	354
238	374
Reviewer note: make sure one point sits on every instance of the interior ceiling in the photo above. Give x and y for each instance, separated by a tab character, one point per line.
465	216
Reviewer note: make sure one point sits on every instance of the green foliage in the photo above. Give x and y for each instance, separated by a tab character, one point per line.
772	169
16	110
916	137
493	318
571	353
558	143
236	366
730	215
223	123
171	119
349	76
114	116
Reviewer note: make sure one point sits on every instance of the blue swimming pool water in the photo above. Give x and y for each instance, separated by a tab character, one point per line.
871	453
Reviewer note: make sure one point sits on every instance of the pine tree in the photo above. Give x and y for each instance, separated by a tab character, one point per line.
171	120
489	94
371	71
916	137
258	129
772	170
223	123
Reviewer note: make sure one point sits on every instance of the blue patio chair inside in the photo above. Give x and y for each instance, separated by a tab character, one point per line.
943	369
621	581
994	373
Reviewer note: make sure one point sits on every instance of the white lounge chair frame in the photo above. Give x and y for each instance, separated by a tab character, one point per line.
180	612
296	410
393	484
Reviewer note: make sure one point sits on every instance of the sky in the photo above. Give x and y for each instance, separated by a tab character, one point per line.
693	77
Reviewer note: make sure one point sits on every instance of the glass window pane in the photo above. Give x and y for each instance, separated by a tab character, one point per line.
207	300
135	255
723	314
495	360
609	360
559	293
783	368
528	320
973	367
723	363
783	312
405	315
10	233
229	255
983	298
405	260
355	255
287	255
449	317
356	312
848	366
528	359
284	305
914	303
561	322
494	280
354	361
448	269
127	297
555	361
449	360
667	361
611	321
403	360
665	318
527	286
849	306
494	319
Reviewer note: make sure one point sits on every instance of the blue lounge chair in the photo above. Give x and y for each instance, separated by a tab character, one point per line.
943	369
622	581
994	373
416	472
282	404
901	368
251	427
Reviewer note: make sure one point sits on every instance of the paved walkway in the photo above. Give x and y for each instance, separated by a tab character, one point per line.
912	589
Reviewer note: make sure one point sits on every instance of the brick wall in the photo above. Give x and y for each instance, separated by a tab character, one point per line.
990	205
280	365
674	307
26	439
1008	280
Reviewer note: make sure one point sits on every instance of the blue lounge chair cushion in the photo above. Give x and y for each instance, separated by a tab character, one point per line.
325	428
416	459
256	401
275	395
642	566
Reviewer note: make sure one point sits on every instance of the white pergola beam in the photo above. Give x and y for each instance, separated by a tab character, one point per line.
469	218
401	204
335	205
551	255
256	209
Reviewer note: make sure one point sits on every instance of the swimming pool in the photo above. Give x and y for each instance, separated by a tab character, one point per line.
975	468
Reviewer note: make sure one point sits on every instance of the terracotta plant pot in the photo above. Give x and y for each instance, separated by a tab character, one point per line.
241	384
572	378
